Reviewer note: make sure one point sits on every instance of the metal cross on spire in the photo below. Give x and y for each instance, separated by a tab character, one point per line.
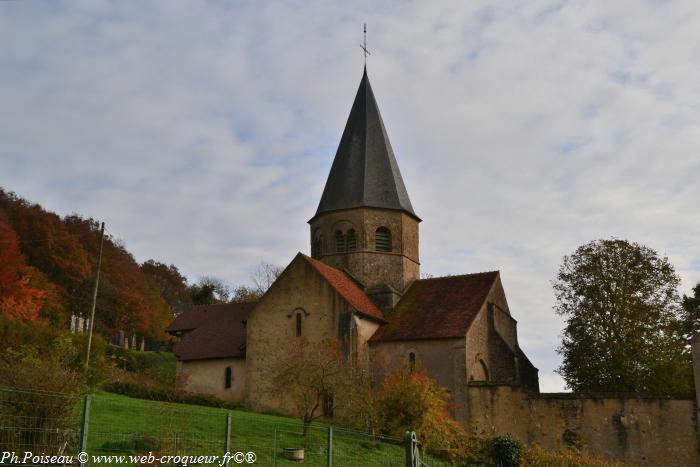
364	46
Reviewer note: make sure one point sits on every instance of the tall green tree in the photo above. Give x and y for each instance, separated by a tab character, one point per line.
690	324
623	320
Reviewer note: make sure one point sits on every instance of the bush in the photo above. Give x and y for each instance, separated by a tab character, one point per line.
158	366
132	446
535	455
506	451
159	393
64	349
41	419
411	401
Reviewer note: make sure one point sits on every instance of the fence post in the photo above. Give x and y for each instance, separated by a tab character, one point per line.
274	450
227	440
411	446
329	461
84	427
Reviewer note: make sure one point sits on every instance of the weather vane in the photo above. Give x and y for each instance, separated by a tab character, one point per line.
364	46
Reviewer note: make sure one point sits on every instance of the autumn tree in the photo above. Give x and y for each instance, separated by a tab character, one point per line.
19	299
622	320
411	401
171	284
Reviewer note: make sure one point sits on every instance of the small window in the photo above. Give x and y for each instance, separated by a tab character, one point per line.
351	240
412	361
382	239
339	242
298	323
227	377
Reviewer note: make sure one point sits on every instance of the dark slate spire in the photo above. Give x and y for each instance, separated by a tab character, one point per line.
364	171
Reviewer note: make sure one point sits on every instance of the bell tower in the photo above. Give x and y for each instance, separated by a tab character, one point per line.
365	223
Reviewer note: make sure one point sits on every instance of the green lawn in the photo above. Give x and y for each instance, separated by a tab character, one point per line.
119	424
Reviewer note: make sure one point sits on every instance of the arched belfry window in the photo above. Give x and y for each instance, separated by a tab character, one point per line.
298	324
382	239
339	242
351	240
317	246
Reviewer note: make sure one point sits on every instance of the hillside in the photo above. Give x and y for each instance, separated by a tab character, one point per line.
47	267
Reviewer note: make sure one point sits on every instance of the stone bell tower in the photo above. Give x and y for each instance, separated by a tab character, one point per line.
365	223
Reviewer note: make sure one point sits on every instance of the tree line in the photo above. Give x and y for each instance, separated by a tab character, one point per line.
47	271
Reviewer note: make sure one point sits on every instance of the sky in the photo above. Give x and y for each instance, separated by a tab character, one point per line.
202	132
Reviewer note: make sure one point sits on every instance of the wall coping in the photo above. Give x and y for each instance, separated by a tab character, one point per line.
580	395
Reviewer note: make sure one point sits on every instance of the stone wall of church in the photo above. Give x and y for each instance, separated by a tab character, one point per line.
491	339
271	330
208	377
443	359
397	268
639	430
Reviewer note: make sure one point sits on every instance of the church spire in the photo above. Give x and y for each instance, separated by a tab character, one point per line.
364	172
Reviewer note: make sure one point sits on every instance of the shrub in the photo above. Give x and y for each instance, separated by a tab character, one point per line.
132	446
506	451
159	393
409	401
536	455
158	366
41	420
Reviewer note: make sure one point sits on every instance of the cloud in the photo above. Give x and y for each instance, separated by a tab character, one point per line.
203	132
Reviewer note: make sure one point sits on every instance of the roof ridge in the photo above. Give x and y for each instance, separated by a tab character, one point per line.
449	276
357	298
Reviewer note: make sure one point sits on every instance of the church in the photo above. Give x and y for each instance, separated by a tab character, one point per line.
360	285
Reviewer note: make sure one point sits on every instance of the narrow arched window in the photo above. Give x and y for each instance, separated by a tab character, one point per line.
412	361
227	377
382	239
298	323
351	240
317	246
339	242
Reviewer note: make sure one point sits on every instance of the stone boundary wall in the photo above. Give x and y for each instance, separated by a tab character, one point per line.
636	429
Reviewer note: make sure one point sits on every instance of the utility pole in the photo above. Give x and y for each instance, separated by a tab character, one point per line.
94	295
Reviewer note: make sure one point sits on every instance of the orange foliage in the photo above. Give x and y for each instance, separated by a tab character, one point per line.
18	299
411	401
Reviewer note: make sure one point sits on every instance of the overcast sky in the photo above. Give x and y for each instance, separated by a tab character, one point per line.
202	132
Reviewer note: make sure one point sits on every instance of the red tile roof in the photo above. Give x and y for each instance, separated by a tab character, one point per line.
441	307
348	289
220	332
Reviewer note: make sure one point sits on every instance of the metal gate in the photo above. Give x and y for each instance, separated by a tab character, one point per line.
413	450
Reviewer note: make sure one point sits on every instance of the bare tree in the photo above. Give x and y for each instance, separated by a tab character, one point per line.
319	378
265	276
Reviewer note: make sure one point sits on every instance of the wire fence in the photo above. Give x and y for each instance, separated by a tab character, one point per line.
114	429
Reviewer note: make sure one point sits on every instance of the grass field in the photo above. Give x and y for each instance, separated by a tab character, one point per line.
123	425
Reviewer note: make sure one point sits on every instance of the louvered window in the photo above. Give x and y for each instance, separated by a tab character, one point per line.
317	247
412	361
382	239
339	241
351	240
